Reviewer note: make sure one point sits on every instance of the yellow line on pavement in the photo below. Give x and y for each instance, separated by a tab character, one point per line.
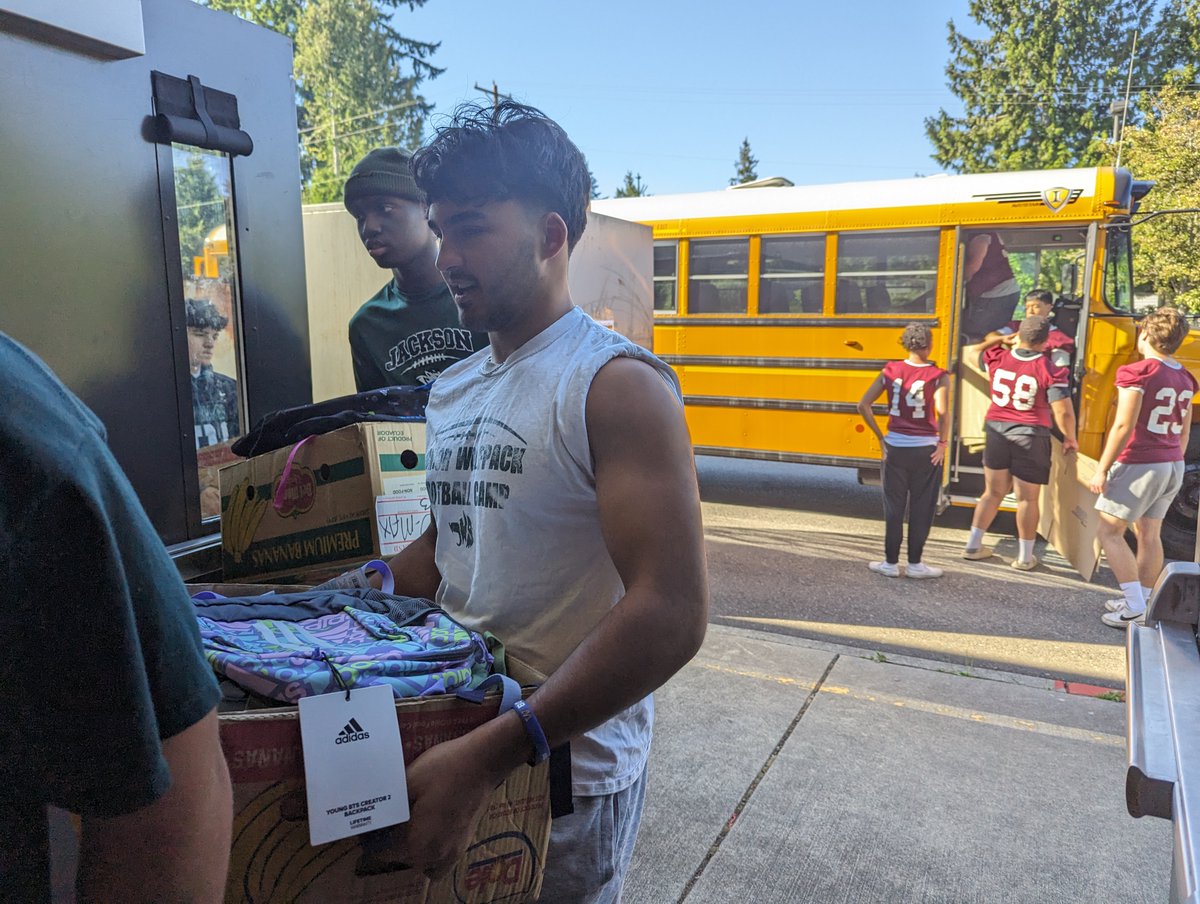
1103	662
938	709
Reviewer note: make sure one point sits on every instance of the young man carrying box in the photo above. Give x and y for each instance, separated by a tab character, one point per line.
566	513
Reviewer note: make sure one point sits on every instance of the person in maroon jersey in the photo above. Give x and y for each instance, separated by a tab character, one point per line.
992	290
1038	303
1141	468
912	450
1028	389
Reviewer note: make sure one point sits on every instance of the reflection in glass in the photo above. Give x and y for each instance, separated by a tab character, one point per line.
204	214
664	276
792	275
718	278
887	273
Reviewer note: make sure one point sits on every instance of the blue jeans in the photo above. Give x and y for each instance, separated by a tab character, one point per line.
590	849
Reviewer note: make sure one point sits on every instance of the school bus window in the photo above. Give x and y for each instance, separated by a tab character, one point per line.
664	276
792	274
718	273
1118	271
886	272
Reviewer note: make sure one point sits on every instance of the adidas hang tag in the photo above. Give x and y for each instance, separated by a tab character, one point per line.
353	763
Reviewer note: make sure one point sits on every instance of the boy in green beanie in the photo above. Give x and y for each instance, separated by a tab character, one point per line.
408	332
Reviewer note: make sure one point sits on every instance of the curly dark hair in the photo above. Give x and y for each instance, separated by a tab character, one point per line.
916	336
510	152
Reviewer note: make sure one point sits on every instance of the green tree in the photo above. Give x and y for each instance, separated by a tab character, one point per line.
744	168
1035	88
356	81
595	190
633	187
200	204
1166	149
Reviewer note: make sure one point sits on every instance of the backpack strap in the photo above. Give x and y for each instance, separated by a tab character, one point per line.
509	695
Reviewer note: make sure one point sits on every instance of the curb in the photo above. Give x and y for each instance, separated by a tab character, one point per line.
1088	690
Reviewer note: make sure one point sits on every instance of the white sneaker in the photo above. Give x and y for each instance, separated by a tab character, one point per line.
975	555
1115	605
921	570
885	568
1122	617
1025	564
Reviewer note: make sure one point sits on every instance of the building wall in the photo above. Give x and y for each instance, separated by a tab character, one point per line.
83	259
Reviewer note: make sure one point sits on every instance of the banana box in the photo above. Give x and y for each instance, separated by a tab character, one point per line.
307	512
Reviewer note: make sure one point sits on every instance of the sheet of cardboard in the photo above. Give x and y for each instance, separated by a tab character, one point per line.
1068	515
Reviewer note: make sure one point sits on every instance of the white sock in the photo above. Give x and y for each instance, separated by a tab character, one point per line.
976	539
1146	591
1026	553
1134	598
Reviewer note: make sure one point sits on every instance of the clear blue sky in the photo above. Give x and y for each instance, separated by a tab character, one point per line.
825	91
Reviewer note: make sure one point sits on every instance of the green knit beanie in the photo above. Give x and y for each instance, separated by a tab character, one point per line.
384	171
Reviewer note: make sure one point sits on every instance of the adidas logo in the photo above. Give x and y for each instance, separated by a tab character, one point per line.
352	732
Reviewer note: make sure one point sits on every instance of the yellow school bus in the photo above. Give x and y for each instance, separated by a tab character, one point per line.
778	304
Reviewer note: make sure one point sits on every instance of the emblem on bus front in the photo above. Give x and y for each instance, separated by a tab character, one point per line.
1056	198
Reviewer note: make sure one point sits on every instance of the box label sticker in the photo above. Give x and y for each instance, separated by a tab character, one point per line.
353	763
403	514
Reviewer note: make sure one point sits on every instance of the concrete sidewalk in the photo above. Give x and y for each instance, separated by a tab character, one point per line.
785	771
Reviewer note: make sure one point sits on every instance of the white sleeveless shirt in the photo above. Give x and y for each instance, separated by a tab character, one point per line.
513	495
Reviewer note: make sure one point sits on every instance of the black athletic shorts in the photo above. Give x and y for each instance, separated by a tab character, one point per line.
1022	449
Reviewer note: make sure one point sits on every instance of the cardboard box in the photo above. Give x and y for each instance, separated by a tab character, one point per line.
325	522
272	862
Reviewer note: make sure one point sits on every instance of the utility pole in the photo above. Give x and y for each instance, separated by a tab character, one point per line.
495	93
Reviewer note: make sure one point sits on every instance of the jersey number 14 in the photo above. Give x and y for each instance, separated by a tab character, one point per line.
914	398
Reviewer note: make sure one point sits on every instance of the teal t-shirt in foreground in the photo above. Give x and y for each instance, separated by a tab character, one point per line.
400	340
102	657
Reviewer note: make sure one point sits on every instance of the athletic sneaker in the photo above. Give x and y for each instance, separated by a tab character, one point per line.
983	552
1115	605
887	569
921	570
1122	617
1025	566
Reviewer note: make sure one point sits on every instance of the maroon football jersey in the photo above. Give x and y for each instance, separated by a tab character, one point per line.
1166	397
1056	339
910	397
1020	385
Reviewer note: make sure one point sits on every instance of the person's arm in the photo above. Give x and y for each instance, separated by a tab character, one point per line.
413	568
1129	406
1064	417
976	252
1185	430
941	396
649	509
864	409
126	858
366	374
972	356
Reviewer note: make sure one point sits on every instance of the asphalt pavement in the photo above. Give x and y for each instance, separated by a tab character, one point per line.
846	738
788	547
792	771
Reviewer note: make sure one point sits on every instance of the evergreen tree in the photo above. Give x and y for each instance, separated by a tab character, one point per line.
744	168
633	187
356	81
595	191
1036	88
1166	149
